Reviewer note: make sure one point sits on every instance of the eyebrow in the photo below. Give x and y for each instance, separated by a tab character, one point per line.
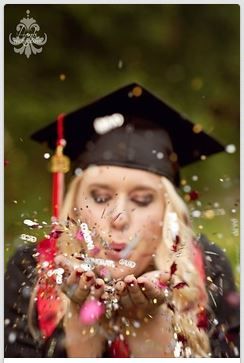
136	188
100	185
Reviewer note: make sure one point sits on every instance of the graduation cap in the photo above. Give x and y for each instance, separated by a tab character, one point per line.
129	127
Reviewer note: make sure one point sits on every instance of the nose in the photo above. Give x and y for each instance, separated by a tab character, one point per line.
120	218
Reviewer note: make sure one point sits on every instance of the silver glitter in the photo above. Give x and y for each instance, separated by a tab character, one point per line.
12	337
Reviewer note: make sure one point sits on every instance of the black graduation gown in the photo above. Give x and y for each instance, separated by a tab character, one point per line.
21	276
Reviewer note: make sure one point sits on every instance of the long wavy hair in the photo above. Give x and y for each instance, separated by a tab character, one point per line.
187	302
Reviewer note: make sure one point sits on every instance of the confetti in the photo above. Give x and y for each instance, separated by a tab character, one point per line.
46	156
178	350
28	238
95	251
12	337
30	223
194	195
6	322
59	275
120	64
87	236
127	263
62	77
187	188
91	311
176	243
196	213
79	236
100	261
173	224
104	272
230	149
173	269
160	155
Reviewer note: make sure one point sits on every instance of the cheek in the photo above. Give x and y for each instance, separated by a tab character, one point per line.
93	215
152	225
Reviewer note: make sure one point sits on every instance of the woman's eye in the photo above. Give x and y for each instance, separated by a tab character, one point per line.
100	198
143	201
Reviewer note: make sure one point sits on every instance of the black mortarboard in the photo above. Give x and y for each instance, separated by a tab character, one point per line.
131	127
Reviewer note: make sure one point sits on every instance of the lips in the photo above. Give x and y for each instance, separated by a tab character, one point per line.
118	247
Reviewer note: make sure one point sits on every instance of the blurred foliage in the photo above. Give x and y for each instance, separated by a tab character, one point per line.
186	54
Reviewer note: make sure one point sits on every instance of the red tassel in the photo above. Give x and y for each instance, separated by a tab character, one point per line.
48	303
57	195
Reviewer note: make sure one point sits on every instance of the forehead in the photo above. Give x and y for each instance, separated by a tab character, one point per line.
116	176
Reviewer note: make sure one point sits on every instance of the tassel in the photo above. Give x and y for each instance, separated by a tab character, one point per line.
48	302
60	164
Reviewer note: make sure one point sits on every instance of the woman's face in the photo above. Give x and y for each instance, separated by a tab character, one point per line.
124	208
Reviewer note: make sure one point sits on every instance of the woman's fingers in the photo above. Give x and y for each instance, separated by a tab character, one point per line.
153	292
98	289
136	294
72	279
80	290
124	295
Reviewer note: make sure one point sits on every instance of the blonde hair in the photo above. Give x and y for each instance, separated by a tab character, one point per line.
187	301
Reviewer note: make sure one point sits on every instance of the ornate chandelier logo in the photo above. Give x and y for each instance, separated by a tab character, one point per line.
27	41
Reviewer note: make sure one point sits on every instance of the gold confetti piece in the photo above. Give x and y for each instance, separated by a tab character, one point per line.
197	128
173	157
62	77
209	214
137	91
187	198
92	330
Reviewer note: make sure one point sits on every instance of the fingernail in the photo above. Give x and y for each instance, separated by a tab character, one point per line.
141	284
88	278
78	273
97	286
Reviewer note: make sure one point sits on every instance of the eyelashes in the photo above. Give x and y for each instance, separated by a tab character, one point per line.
100	198
141	201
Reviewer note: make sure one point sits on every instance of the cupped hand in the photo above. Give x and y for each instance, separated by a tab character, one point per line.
77	284
143	295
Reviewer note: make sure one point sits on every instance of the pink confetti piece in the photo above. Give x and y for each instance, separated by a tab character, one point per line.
91	311
162	284
104	272
79	236
95	251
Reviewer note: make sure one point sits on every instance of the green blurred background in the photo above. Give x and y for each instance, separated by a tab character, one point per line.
186	54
